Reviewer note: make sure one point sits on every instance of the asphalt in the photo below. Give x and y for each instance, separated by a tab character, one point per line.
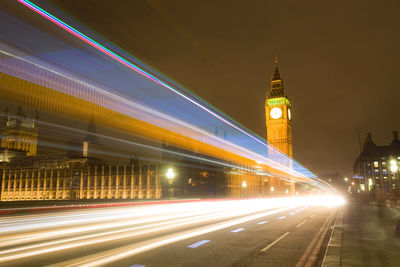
290	235
242	248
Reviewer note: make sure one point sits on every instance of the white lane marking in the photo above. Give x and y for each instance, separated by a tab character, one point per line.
300	224
297	210
262	222
198	244
273	243
312	215
237	230
137	265
282	217
292	213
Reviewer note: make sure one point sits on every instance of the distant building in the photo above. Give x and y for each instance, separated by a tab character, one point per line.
335	179
375	167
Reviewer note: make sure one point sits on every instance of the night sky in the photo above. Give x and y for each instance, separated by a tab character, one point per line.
339	61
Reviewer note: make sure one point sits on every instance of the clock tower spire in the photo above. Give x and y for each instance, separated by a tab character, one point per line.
278	115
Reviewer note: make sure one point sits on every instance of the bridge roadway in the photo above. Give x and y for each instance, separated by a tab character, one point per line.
255	232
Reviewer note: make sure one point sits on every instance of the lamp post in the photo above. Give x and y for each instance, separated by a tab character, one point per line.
244	185
394	168
170	177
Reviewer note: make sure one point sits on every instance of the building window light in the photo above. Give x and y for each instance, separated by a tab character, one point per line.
376	164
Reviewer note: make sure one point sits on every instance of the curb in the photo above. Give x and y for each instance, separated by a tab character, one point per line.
333	251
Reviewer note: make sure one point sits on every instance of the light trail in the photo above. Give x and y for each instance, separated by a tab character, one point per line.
170	222
119	220
110	256
130	65
126	62
116	102
137	110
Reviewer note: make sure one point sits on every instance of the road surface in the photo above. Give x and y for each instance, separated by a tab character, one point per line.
254	232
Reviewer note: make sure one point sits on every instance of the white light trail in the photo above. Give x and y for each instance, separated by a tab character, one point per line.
167	223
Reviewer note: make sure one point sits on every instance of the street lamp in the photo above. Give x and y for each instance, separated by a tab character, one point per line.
170	177
170	174
244	185
346	179
394	168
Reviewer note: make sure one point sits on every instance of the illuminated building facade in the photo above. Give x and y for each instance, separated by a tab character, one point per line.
376	169
19	135
83	174
278	116
80	178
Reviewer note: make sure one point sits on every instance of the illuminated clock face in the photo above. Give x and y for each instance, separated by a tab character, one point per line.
289	114
276	113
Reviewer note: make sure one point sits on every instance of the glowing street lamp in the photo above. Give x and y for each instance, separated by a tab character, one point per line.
393	166
346	179
170	177
244	185
170	173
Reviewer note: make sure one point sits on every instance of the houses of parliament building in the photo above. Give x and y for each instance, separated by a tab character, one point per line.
26	175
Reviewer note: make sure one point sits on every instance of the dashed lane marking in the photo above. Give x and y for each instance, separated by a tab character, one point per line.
300	224
263	222
198	244
273	243
237	230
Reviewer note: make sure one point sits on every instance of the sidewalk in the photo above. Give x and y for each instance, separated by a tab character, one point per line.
368	236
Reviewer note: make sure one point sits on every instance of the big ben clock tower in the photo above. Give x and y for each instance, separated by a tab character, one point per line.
279	115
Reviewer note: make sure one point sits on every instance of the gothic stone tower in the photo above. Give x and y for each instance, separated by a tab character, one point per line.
279	115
